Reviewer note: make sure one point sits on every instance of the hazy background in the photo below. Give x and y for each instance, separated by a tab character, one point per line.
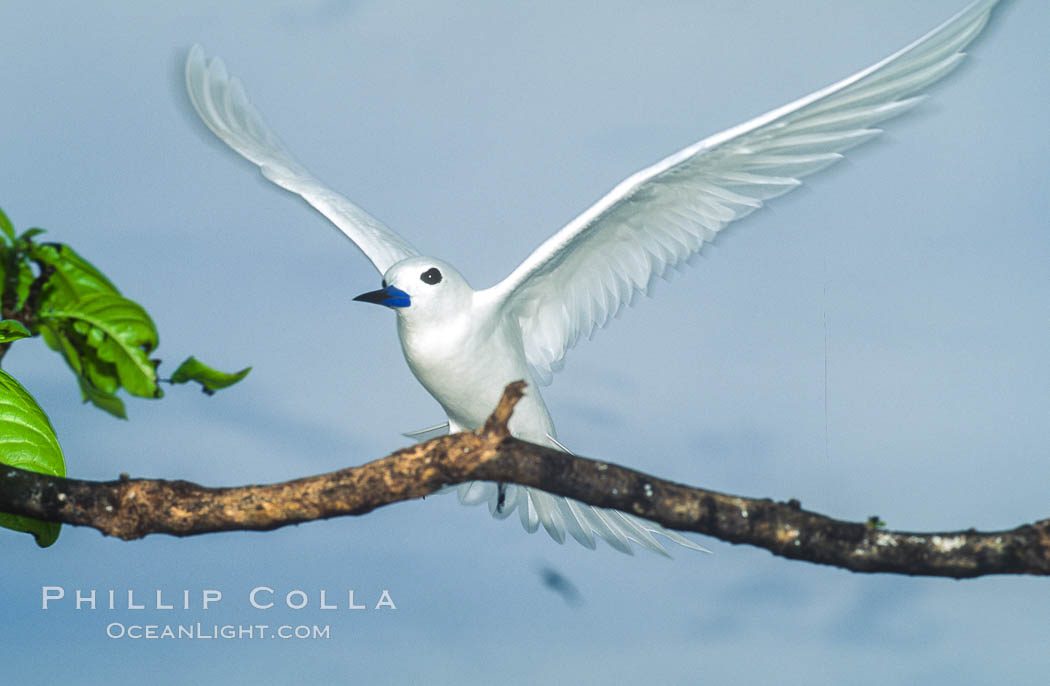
875	343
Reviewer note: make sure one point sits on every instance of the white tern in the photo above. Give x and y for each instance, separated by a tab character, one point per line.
465	345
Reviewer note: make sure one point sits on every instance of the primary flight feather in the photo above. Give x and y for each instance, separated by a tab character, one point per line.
465	345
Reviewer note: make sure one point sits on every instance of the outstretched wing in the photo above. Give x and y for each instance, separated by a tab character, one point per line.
657	218
223	106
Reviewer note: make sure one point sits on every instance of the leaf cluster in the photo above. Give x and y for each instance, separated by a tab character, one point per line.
106	339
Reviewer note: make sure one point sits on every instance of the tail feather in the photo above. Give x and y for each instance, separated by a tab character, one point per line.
560	515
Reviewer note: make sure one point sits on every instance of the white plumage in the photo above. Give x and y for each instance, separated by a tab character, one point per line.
465	345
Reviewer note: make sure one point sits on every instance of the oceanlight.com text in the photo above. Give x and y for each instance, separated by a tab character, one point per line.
200	631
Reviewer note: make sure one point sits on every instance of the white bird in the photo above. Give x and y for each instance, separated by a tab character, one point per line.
465	345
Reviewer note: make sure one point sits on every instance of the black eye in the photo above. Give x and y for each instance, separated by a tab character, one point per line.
431	276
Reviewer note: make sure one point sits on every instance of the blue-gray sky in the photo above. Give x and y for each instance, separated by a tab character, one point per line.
874	343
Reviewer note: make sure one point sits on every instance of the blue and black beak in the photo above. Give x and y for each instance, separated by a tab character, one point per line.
389	296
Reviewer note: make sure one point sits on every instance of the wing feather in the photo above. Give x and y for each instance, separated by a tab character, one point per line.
661	216
224	108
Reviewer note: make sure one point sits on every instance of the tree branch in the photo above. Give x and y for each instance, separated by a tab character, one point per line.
133	508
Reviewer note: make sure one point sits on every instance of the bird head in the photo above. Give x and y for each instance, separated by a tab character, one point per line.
422	288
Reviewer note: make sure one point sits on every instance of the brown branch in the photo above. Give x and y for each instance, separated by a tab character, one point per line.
133	508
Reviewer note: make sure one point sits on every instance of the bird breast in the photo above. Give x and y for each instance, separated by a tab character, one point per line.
465	363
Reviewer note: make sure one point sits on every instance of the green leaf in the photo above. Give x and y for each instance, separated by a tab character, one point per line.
55	340
27	441
125	336
30	234
7	227
12	330
98	380
102	375
73	278
25	280
101	399
211	380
